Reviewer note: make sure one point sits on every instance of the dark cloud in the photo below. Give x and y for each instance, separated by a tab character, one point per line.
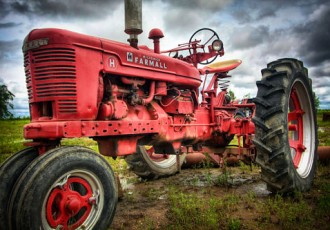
242	16
83	9
186	16
198	5
9	50
266	12
315	37
9	25
245	12
179	22
249	37
253	11
3	8
322	71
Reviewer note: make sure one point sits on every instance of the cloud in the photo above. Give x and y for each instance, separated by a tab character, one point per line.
249	37
315	36
9	25
242	16
247	12
10	51
186	16
320	76
198	5
20	102
60	8
3	8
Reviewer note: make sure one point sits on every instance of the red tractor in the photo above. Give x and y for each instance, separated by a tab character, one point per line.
154	110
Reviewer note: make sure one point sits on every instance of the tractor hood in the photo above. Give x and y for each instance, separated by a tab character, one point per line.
117	58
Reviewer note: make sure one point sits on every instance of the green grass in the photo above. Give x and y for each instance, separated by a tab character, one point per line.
324	129
11	137
192	210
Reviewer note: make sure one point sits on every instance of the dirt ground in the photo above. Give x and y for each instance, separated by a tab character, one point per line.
147	201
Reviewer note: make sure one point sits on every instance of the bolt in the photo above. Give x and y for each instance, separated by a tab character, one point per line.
92	200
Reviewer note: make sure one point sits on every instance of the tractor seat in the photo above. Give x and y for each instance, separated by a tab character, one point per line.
220	67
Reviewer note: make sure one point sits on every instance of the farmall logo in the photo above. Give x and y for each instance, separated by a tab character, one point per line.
146	61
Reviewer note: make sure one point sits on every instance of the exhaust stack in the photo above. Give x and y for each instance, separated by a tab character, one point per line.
133	20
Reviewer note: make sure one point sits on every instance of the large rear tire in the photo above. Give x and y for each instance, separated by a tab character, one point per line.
149	165
285	127
10	171
65	188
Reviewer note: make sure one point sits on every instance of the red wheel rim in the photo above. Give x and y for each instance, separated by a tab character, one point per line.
69	205
156	157
296	128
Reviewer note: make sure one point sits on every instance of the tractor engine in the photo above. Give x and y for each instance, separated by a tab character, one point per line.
80	85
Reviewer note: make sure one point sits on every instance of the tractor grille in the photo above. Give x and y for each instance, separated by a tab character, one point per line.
28	75
54	77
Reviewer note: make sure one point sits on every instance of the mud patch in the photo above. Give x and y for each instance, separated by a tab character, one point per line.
145	203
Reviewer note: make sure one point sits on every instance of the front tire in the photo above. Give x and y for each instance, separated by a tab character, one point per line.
66	188
10	171
285	127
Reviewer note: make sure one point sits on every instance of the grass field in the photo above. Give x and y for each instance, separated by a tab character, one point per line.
195	208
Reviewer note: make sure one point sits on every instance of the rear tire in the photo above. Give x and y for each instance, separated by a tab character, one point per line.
148	165
10	171
70	187
285	127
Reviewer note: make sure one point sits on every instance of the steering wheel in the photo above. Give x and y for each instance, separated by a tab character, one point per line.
205	37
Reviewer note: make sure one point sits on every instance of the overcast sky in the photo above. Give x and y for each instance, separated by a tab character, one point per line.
256	32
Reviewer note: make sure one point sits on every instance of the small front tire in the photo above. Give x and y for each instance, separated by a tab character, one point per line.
10	171
67	188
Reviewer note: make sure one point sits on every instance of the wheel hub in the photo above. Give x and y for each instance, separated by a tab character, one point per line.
69	203
73	205
295	119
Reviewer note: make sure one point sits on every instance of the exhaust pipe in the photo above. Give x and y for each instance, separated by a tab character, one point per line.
133	21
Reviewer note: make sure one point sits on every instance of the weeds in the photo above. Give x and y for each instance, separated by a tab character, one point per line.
189	211
234	224
289	213
224	179
192	211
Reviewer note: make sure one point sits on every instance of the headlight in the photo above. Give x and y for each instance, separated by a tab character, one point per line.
217	45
